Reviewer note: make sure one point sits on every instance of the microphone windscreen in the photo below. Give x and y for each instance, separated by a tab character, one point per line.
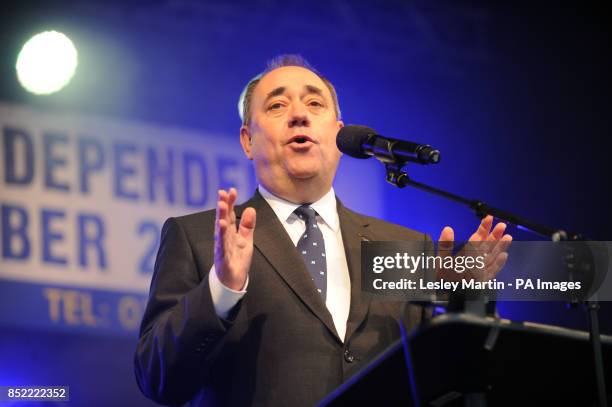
351	138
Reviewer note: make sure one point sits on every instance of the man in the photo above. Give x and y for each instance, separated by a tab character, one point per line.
240	312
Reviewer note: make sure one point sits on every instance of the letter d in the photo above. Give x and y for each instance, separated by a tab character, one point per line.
12	139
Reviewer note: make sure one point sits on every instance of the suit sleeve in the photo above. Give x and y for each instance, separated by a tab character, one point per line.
180	331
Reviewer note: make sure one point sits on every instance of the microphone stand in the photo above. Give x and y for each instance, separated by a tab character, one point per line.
397	177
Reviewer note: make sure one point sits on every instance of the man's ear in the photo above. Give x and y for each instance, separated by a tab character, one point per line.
245	141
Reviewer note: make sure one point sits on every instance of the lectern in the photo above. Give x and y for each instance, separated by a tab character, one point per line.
467	360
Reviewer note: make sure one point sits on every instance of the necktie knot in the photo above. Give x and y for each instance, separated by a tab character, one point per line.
306	213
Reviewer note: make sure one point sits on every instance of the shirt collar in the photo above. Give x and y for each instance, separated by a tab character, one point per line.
326	207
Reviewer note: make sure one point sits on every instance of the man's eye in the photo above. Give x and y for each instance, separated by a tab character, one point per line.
315	103
275	106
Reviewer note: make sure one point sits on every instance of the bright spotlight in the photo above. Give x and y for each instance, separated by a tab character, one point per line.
46	63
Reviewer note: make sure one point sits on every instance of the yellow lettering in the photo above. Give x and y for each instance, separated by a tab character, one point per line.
54	297
87	309
130	312
71	307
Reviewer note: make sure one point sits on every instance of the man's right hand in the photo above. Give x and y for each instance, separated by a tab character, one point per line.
233	246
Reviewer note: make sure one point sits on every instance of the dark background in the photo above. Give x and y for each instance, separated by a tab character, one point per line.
515	95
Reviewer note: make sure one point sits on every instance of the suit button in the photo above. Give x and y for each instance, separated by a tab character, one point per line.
348	356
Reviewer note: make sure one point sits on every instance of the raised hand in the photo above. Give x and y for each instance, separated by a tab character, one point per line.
233	245
493	245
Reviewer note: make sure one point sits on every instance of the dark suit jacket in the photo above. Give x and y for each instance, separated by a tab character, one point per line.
279	346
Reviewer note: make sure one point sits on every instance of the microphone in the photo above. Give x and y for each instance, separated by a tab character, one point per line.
364	142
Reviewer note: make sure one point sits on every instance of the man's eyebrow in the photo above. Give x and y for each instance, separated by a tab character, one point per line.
313	89
308	89
276	92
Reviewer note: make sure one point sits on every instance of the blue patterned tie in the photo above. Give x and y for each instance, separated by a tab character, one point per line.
312	248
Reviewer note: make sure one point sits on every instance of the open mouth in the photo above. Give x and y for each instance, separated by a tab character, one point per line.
300	139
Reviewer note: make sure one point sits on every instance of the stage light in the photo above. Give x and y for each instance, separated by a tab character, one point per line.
46	63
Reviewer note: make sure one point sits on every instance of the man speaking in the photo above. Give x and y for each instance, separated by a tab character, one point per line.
260	303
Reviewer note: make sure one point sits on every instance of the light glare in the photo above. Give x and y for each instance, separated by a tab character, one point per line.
46	63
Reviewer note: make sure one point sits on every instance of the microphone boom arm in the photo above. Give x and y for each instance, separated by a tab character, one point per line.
395	176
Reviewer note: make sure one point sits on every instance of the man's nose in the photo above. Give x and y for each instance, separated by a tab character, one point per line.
298	116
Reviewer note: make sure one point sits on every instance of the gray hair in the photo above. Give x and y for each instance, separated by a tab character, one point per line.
244	103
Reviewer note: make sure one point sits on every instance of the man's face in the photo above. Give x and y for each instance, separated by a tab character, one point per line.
291	137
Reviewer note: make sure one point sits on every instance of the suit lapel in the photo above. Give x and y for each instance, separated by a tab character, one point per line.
354	228
273	242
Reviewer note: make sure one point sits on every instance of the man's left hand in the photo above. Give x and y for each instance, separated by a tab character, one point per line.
492	244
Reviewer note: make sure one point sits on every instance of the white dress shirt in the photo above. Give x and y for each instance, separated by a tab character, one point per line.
338	298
